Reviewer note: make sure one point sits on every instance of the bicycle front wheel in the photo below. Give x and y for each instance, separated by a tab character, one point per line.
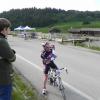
62	89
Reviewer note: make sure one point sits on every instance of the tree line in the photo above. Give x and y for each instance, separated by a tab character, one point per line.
45	17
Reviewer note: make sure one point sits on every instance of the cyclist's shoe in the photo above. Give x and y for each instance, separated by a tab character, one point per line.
44	91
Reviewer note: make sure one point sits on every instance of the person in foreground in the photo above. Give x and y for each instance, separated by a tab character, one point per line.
48	56
7	56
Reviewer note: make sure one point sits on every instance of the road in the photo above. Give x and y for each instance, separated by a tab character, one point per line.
83	80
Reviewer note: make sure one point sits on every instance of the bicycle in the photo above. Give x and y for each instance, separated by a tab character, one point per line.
54	78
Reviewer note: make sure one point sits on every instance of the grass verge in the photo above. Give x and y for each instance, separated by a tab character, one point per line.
22	91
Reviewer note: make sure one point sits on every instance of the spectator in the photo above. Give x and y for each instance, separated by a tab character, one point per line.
7	56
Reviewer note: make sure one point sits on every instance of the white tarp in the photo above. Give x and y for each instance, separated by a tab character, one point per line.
24	28
27	28
19	28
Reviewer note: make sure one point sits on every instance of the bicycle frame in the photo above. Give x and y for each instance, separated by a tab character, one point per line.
54	77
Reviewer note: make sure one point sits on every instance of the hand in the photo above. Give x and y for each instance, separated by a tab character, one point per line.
66	70
47	61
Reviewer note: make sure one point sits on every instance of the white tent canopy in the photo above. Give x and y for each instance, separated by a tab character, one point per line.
24	28
27	28
19	28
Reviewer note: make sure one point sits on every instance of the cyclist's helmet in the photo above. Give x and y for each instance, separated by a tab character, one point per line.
45	44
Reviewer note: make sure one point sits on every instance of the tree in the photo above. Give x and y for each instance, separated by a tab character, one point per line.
54	30
86	22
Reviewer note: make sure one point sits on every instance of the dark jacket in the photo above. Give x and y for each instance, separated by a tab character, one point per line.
6	57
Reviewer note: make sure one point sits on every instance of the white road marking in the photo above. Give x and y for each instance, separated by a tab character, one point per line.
66	84
33	64
78	91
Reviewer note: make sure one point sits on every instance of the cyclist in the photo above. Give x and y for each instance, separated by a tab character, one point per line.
48	56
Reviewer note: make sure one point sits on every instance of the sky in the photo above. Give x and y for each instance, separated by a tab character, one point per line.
81	5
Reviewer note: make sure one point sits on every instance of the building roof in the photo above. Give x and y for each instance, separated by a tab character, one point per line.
84	30
90	29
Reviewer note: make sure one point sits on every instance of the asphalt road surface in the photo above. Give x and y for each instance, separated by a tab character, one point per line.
83	79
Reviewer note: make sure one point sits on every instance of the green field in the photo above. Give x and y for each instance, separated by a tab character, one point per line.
65	26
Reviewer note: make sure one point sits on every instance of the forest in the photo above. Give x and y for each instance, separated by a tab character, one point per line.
34	17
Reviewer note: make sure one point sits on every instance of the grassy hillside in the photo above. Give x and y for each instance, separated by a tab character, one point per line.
65	26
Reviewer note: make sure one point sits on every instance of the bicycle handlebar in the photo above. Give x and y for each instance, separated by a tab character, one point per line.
65	69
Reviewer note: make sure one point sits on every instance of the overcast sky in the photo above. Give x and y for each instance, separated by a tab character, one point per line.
81	5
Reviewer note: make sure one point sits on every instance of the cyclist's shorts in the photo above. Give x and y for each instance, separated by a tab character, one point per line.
48	66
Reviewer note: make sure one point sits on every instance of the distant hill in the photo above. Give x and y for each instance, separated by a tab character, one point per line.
47	17
67	25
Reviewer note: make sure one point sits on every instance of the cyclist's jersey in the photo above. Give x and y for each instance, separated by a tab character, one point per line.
48	56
